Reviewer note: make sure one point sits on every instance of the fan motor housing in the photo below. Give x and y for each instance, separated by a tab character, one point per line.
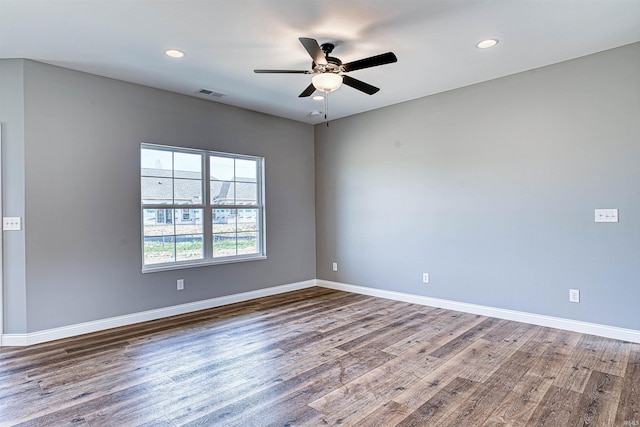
333	65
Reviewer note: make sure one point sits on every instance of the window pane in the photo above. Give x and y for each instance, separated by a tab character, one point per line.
159	249
149	217
221	168
156	190
247	220
158	222
246	194
191	225
189	247
247	243
157	163
224	245
186	165
224	220
222	193
188	191
246	170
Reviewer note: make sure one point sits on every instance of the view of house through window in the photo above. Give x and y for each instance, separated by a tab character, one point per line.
180	226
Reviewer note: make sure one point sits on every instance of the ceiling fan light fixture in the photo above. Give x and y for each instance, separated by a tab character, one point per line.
487	43
327	82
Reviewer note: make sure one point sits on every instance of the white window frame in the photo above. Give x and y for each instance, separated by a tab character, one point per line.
207	207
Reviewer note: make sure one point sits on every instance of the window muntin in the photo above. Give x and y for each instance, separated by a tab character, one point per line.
227	226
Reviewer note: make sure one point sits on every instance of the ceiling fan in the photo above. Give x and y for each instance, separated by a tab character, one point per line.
327	69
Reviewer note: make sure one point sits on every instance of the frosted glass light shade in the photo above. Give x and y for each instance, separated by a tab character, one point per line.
327	82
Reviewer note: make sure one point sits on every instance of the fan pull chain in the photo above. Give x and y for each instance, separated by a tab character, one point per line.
326	107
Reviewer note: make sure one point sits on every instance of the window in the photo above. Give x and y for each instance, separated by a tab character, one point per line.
200	207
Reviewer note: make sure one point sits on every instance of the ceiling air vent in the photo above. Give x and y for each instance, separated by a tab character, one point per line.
210	92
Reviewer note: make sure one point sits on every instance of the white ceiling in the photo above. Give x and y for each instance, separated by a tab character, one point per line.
226	39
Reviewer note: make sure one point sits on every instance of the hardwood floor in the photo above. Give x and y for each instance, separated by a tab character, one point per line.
320	357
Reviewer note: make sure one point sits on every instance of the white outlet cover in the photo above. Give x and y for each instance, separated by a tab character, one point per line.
335	266
574	295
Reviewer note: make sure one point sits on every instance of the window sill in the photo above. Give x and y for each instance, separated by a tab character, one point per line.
202	263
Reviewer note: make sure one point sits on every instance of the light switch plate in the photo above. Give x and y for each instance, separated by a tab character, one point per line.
11	223
606	215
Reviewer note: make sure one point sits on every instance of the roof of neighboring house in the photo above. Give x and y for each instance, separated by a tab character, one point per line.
157	188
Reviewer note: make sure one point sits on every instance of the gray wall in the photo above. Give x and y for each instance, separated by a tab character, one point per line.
12	119
81	195
492	189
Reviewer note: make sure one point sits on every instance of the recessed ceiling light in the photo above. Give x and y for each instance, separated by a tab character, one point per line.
318	98
174	53
315	113
487	43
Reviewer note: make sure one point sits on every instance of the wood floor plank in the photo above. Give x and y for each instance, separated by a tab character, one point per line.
518	406
343	370
551	361
322	357
384	329
69	412
600	400
442	327
579	364
389	414
463	340
557	408
628	412
293	407
547	358
442	404
437	373
369	391
479	406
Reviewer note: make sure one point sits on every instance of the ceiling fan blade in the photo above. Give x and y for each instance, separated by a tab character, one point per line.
373	61
312	46
360	85
283	71
308	91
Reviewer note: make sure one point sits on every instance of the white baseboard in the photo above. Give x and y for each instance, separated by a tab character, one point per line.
114	322
518	316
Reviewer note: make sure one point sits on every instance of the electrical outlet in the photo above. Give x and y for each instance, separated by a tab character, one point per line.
335	266
425	277
574	295
180	284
